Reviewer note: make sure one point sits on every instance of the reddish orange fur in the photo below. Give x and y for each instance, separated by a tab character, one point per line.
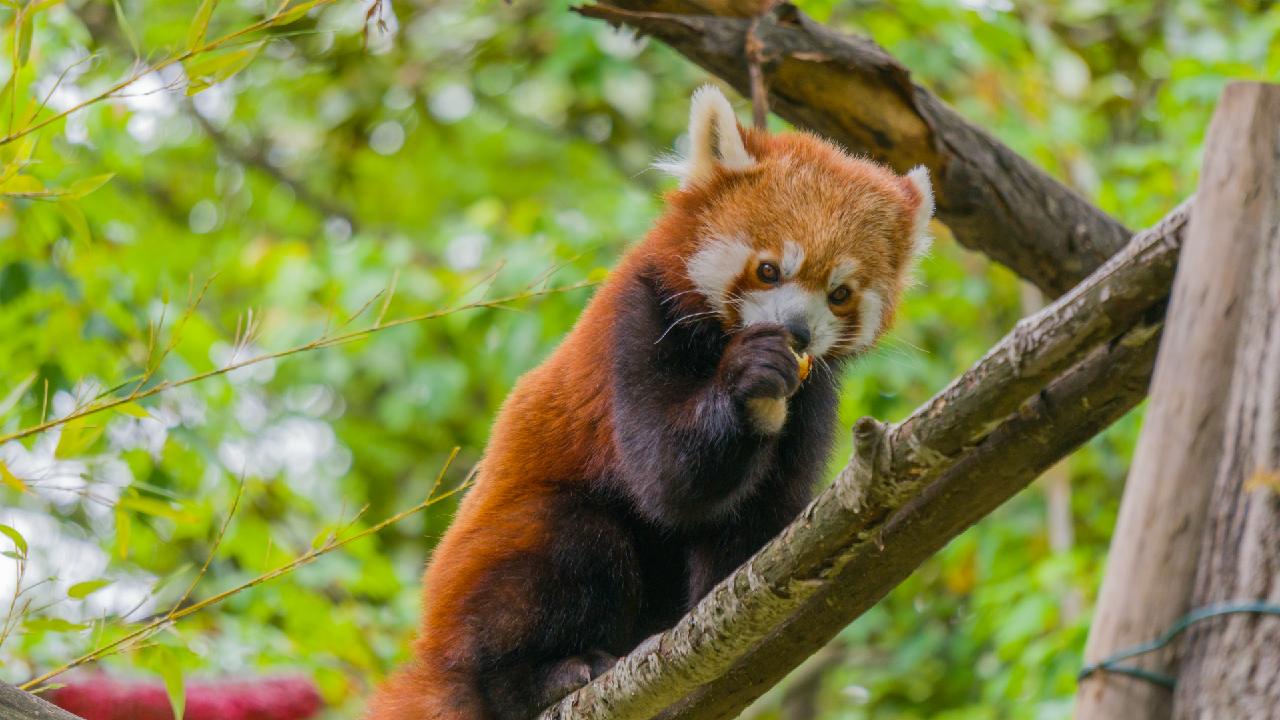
801	190
555	427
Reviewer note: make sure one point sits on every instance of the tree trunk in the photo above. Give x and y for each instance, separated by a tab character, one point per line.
1154	548
1231	664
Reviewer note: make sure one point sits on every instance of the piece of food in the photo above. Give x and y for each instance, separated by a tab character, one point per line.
806	364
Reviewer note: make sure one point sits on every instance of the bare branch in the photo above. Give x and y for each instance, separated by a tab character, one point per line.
850	90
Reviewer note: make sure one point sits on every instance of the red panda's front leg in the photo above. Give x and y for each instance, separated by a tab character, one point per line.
688	410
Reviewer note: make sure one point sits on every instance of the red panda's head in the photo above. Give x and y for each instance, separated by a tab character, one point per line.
788	229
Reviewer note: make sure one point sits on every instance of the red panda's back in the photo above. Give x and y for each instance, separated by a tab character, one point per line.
555	428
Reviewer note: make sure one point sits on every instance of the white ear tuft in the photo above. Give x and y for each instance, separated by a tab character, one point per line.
921	239
714	140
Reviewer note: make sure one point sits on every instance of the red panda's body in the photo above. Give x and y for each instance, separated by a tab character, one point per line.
670	435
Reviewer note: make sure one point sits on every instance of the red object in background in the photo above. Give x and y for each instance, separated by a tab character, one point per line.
98	697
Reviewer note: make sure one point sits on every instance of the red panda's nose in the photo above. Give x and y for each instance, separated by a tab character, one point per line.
799	331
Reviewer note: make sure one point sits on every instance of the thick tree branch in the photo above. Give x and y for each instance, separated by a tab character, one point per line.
1061	376
850	90
18	705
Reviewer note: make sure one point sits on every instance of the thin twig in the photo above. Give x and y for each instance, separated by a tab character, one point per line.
133	77
321	342
308	557
217	542
753	48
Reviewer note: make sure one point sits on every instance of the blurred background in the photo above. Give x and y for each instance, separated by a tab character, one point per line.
457	151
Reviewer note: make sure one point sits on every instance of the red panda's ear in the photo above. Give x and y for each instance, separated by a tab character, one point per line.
920	186
715	141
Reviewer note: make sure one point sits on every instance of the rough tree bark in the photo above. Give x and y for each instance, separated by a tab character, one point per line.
849	89
1060	377
1152	563
18	705
1231	664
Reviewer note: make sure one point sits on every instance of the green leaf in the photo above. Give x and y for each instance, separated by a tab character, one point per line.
13	481
16	537
123	23
48	624
200	24
24	37
209	71
295	13
22	185
171	671
10	401
76	220
78	436
133	409
82	590
156	508
84	186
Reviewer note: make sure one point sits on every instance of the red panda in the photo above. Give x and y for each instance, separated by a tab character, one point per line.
670	435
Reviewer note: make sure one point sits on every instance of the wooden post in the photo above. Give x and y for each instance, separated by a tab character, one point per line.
1153	559
1153	551
1230	666
18	705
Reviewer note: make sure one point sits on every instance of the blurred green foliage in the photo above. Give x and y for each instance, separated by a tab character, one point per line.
454	150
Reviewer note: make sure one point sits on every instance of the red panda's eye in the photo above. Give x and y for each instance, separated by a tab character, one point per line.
839	296
768	272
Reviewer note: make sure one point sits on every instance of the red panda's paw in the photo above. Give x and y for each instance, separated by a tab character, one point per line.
574	672
758	363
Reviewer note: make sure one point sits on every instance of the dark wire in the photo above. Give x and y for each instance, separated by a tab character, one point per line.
1110	664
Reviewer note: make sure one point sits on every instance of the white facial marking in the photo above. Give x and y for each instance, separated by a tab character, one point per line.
716	265
787	301
920	237
792	259
768	414
843	273
870	315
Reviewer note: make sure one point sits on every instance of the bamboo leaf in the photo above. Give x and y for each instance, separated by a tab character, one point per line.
25	26
49	624
294	13
76	220
22	185
18	541
200	24
133	409
11	400
77	437
209	71
171	671
82	590
156	508
13	481
84	186
123	23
